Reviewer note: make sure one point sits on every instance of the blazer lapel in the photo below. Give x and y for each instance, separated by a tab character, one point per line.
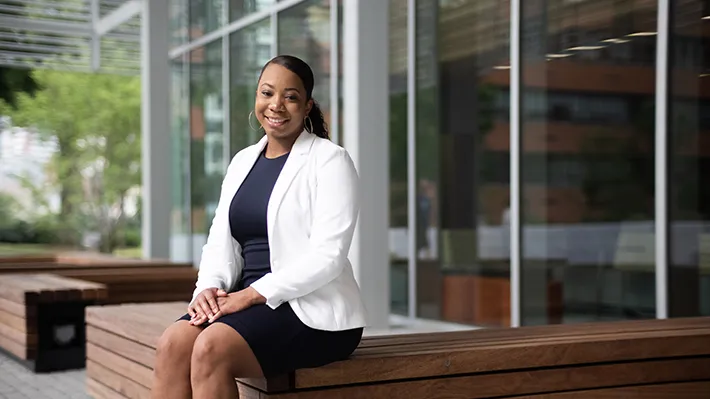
242	170
294	163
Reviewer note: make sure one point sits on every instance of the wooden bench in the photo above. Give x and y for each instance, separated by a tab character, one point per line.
42	319
127	280
636	359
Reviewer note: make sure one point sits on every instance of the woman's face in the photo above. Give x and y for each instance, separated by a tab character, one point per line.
281	103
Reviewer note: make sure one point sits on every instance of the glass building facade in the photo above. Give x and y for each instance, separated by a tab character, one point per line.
545	156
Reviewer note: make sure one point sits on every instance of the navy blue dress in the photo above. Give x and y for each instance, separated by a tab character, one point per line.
278	338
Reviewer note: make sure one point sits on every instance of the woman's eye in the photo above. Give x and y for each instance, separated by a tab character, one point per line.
266	93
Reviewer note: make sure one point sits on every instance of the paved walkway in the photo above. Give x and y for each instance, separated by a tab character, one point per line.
16	382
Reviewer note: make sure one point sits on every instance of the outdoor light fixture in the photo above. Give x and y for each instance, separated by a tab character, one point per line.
616	41
585	48
558	55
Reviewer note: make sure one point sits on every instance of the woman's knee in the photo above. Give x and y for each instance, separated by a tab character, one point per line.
219	348
175	345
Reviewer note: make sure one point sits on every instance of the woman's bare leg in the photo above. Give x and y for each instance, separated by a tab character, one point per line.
171	378
220	354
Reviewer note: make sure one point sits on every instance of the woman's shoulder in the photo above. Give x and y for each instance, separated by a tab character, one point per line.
325	149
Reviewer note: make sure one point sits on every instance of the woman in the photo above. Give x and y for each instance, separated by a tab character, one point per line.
275	290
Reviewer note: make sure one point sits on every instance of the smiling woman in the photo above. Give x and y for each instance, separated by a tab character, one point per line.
275	291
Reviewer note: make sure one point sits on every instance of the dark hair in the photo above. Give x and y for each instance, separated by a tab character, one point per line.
304	72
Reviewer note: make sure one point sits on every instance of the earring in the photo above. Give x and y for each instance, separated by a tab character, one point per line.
250	125
310	122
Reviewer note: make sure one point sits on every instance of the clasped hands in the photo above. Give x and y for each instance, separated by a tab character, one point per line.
212	303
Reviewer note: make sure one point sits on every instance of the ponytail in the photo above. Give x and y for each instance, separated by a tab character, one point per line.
320	128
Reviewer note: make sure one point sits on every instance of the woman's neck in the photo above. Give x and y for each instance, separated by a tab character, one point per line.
277	147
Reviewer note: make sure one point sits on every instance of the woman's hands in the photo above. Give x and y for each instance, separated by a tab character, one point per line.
236	301
212	303
203	307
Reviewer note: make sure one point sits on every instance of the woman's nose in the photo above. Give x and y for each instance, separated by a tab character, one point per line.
276	104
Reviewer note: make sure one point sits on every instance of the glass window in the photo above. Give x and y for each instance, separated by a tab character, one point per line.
207	166
250	49
399	244
462	196
178	22
242	8
180	194
587	132
304	32
688	179
205	16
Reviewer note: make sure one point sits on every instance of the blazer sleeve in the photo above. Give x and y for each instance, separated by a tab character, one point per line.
217	270
335	213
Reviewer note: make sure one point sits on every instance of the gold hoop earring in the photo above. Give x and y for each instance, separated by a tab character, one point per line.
250	125
305	126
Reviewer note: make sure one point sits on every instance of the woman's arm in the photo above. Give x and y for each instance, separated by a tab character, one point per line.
335	214
215	271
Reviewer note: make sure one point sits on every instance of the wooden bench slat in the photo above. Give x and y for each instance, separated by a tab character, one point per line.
501	334
685	390
16	308
17	323
517	383
492	358
98	390
28	340
9	291
460	344
17	349
122	321
133	371
134	351
115	382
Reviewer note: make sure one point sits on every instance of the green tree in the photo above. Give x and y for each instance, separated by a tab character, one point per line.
95	120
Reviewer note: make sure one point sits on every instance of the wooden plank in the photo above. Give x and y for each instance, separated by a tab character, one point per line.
499	334
516	383
16	308
121	320
120	365
132	350
24	339
443	344
98	390
88	290
115	381
9	291
15	348
18	323
61	291
247	392
684	390
523	354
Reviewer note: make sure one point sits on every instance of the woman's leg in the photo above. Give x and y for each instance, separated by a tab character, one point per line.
171	378
221	354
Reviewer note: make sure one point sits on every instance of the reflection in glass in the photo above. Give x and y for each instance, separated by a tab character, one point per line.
587	165
462	157
180	194
242	8
250	49
178	22
689	180
399	248
207	164
205	16
304	32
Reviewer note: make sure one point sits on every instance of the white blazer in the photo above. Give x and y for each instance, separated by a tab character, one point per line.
311	217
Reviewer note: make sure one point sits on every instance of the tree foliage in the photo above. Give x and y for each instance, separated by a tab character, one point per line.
95	120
